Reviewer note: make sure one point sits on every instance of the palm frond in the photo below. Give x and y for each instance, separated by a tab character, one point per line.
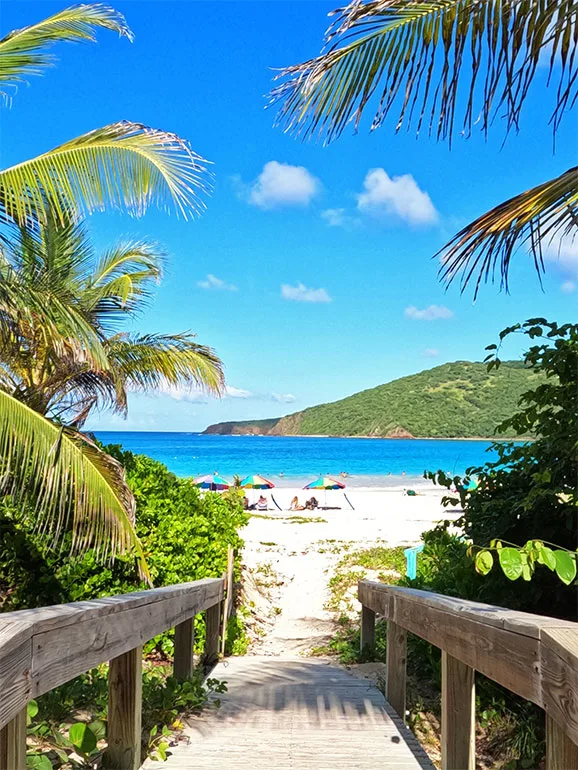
529	221
125	165
121	280
68	480
152	361
23	51
416	56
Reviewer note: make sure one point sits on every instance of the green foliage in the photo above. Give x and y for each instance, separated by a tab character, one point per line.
52	736
460	399
530	489
184	535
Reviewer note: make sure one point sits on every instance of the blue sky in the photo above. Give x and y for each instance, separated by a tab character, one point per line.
310	272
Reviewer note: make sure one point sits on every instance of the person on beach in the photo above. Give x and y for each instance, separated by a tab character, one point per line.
312	504
262	504
294	505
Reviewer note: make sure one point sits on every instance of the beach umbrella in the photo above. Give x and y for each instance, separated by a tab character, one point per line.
213	482
325	483
256	482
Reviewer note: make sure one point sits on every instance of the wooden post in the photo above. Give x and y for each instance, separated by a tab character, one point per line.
212	624
229	597
561	752
458	715
13	743
395	666
124	712
184	638
367	629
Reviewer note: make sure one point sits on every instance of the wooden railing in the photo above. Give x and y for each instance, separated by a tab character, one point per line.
41	649
534	656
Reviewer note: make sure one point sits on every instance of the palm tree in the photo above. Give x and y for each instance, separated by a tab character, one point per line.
54	267
125	165
430	62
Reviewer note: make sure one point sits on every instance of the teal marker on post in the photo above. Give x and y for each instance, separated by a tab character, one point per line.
411	560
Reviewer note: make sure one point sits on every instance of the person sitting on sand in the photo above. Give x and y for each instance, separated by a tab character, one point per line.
294	505
262	504
245	503
311	504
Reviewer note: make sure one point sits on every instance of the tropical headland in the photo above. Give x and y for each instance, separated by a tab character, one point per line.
455	400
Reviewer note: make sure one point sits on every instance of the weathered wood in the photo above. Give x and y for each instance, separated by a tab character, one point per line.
184	640
396	655
228	603
458	715
559	668
367	629
61	655
13	743
295	714
561	752
15	663
212	627
124	712
485	647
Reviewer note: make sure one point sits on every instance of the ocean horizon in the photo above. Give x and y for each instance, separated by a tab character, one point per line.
290	460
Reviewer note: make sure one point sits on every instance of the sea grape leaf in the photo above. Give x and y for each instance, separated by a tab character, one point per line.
511	562
82	737
484	562
565	566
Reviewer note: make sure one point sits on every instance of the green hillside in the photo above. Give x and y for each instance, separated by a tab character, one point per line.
459	399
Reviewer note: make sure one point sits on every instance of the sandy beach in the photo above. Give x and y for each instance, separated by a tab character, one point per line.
289	557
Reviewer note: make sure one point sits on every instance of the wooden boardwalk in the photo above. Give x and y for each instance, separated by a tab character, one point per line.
292	714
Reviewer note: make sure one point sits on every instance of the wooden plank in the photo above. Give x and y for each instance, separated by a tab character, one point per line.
512	660
124	712
15	663
184	640
59	655
396	655
523	623
458	715
561	752
295	714
13	743
367	629
213	625
228	608
559	669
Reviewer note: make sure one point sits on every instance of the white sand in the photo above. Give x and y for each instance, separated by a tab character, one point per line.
292	562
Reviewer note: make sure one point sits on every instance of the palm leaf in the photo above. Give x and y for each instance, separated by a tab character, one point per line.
152	361
126	165
23	51
415	56
541	215
69	482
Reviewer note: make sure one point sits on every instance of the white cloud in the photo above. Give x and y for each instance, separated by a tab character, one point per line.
301	293
340	218
212	282
568	287
281	184
283	398
563	251
398	196
431	313
183	393
231	392
431	352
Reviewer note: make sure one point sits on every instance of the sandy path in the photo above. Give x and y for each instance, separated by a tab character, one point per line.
291	563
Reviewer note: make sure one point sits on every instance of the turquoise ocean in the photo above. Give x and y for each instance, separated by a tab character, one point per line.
290	460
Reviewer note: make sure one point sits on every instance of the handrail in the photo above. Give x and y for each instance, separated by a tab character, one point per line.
43	648
534	656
